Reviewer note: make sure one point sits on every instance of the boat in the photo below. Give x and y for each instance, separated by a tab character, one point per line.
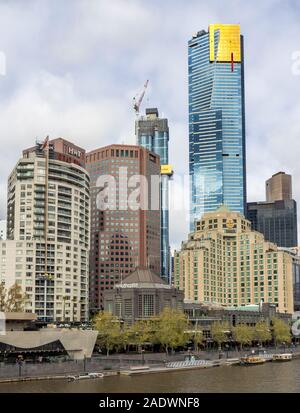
251	360
282	357
86	376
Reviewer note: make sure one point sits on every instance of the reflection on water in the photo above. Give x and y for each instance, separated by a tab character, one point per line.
270	377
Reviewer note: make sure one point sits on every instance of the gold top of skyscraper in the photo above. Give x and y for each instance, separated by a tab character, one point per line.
229	46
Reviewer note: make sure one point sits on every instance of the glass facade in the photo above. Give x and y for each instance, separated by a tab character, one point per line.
276	220
296	284
216	121
152	133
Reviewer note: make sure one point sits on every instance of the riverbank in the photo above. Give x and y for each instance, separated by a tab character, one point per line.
265	378
46	378
127	366
180	366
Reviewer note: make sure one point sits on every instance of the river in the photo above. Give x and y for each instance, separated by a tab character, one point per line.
269	377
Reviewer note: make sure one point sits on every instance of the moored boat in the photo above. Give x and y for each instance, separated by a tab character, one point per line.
282	357
86	376
251	360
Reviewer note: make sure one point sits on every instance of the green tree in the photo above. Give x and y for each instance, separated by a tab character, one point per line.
142	332
172	327
124	337
281	331
262	332
219	331
243	334
109	330
2	297
13	300
197	337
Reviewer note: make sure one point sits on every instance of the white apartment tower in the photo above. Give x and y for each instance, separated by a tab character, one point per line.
47	246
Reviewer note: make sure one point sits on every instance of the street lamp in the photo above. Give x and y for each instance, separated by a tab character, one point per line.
220	351
143	356
20	362
227	350
84	363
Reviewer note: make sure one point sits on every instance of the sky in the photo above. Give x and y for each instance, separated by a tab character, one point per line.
73	67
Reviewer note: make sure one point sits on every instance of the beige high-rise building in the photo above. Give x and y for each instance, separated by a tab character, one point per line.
279	187
227	263
47	247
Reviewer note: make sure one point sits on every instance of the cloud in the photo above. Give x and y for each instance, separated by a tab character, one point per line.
74	66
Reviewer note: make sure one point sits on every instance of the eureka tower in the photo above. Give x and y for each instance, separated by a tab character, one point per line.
216	120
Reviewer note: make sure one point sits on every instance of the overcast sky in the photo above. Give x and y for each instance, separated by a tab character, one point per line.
73	66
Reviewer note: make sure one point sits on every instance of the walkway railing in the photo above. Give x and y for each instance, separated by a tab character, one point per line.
188	363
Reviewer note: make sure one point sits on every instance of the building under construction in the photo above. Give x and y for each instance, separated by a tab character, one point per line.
152	132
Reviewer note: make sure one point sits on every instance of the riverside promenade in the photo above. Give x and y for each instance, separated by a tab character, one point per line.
124	364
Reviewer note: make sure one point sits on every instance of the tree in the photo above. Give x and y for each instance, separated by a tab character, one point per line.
243	334
13	300
262	332
197	338
281	331
142	332
218	332
109	330
2	297
125	337
172	329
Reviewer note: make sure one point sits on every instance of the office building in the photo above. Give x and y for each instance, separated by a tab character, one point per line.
123	236
152	132
296	281
204	316
226	263
46	251
216	120
276	218
279	187
2	229
141	295
295	254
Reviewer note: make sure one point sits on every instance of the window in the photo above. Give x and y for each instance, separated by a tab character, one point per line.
148	305
127	307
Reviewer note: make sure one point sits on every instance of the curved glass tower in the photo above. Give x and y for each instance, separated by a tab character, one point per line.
216	120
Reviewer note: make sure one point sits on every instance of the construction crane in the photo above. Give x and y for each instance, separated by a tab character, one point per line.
137	100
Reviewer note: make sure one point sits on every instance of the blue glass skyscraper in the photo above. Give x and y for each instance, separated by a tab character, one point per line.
216	120
152	132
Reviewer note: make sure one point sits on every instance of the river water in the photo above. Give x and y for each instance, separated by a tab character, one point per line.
269	377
